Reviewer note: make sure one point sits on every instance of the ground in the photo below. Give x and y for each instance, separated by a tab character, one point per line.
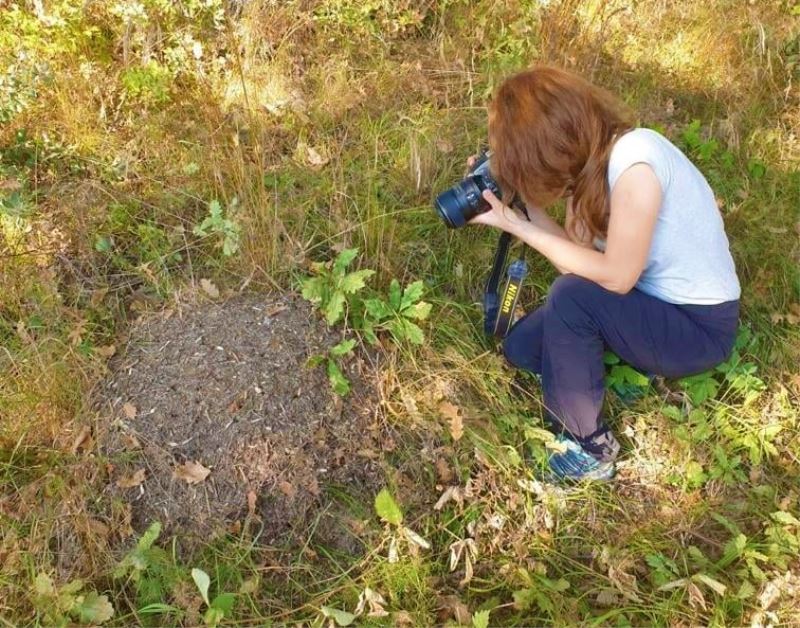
229	385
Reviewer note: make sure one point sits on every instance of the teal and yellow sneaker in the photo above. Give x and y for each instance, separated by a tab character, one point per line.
576	464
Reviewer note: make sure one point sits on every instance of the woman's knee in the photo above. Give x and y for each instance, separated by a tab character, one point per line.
570	293
522	345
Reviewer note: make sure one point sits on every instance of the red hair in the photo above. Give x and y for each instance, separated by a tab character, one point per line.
550	133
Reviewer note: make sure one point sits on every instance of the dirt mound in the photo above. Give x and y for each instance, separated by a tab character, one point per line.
228	386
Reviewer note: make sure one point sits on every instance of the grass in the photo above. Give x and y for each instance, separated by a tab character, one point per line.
333	124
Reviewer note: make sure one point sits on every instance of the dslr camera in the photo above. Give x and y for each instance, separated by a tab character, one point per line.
458	205
461	203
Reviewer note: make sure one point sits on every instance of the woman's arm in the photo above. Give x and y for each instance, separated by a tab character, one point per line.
635	202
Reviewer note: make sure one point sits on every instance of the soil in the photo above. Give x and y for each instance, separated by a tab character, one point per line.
228	385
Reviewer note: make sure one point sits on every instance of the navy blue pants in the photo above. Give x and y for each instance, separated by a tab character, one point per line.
564	341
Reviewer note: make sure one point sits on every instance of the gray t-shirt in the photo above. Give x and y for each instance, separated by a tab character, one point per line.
689	260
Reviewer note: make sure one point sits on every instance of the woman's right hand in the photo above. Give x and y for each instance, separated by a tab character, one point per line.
471	162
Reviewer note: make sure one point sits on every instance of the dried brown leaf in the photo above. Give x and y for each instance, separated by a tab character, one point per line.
251	502
696	598
82	438
191	472
106	351
451	606
287	488
129	410
443	471
452	413
209	288
130	481
130	442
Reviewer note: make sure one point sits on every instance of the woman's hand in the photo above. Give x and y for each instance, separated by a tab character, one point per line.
500	215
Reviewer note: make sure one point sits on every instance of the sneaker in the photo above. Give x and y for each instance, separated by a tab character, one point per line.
575	463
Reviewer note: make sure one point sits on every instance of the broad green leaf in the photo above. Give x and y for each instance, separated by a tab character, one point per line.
215	209
343	260
338	381
369	333
412	294
213	617
419	310
412	332
314	289
355	281
377	309
785	518
480	619
695	474
395	294
43	585
202	581
387	509
343	348
334	308
224	602
94	609
342	618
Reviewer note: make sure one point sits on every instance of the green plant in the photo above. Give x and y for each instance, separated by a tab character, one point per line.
218	608
332	285
396	314
221	225
339	383
149	83
148	567
63	605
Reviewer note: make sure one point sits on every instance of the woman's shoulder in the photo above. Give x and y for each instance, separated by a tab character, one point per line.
641	145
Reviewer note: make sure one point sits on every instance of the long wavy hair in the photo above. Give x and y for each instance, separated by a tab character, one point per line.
550	133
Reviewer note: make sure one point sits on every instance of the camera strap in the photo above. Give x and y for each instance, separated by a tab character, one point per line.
498	309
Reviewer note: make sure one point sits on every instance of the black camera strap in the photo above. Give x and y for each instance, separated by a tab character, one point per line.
498	308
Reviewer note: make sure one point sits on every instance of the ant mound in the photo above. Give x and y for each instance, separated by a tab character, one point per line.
215	417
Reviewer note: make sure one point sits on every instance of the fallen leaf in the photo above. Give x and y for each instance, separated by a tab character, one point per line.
277	309
607	598
130	442
315	158
76	333
80	439
450	606
10	184
22	332
372	600
444	146
129	410
287	488
105	351
129	481
190	472
696	599
443	471
452	413
251	502
454	493
209	288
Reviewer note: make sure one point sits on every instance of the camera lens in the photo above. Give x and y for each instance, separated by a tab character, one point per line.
449	208
462	202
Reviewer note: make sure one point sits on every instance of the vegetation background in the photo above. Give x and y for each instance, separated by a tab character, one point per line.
146	145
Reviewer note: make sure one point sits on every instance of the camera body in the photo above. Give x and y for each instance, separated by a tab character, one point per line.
459	204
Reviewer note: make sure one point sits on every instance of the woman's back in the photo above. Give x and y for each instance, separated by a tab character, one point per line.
689	260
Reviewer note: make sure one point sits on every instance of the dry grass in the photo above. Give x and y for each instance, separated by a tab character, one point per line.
333	123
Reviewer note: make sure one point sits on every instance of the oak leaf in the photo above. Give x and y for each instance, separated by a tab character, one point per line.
191	472
130	481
